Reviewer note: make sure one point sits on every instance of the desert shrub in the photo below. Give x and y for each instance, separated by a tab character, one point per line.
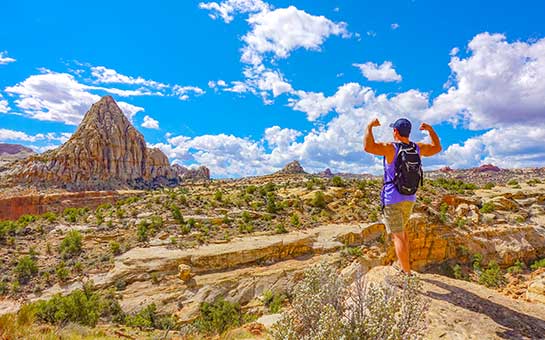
324	308
512	182
294	220
82	306
62	272
461	222
246	228
7	228
456	185
71	244
25	220
147	228
457	272
120	212
318	200
354	251
273	301
218	195
245	216
265	189
517	267
337	181
443	212
25	269
251	189
72	214
538	264
477	260
49	216
492	277
218	317
533	181
115	247
271	203
148	318
176	214
487	207
489	185
280	229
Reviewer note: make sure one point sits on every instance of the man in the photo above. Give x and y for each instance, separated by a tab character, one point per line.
397	207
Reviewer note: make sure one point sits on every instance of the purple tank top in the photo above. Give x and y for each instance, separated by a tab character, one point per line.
389	194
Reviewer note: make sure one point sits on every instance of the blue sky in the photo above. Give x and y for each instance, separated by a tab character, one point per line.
245	86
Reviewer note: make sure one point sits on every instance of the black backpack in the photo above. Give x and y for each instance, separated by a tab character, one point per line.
408	169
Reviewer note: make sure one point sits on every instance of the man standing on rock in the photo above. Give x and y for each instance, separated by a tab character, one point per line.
402	177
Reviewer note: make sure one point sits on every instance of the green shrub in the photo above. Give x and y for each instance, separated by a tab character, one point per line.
62	272
487	207
25	220
294	220
246	217
538	264
71	244
82	306
115	248
217	317
72	214
492	277
251	189
142	231
354	251
477	261
318	200
512	182
337	181
273	301
176	214
516	268
461	222
271	203
7	228
489	185
280	229
218	195
25	269
443	212
148	318
49	216
457	272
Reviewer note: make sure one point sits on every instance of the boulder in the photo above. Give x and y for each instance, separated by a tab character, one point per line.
536	289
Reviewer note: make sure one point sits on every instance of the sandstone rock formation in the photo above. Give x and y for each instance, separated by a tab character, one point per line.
105	152
192	174
326	173
486	167
13	152
292	168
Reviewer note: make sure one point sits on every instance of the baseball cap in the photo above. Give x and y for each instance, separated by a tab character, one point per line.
402	125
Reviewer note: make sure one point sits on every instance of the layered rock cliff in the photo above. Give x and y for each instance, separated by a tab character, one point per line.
105	152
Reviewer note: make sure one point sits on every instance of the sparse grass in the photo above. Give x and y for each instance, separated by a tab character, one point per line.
538	264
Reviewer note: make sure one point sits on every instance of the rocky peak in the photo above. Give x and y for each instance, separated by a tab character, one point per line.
192	174
293	167
105	152
327	173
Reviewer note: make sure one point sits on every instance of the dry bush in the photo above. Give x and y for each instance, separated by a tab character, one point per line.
326	307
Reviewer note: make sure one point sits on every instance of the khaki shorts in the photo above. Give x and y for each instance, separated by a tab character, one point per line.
397	215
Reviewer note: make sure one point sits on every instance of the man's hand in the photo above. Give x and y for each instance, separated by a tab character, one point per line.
374	123
425	127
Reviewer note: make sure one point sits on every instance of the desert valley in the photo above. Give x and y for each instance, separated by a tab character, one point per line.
104	238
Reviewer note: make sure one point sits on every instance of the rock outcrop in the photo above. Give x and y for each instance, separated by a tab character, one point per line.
486	168
200	173
292	168
105	152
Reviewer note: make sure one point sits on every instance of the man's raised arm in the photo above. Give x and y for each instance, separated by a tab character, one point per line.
369	144
435	145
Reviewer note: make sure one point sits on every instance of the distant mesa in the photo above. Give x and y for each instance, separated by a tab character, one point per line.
486	168
14	149
292	168
200	173
446	169
326	173
13	152
106	152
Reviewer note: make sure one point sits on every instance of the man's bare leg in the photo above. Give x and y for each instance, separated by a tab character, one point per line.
401	244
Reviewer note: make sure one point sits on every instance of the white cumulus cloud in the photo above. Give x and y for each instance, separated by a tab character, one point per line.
150	123
4	59
226	9
384	72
